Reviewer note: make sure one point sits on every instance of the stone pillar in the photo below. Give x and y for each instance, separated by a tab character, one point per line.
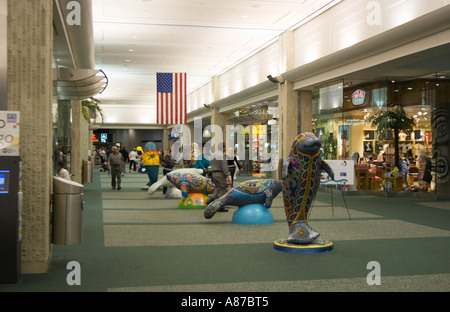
30	45
3	53
219	123
288	124
287	102
165	140
76	149
305	111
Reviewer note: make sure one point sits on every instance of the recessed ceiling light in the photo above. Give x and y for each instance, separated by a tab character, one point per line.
130	50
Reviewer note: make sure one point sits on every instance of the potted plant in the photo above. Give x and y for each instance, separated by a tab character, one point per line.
394	118
91	109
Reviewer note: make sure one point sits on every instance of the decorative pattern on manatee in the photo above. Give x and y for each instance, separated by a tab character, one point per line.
254	186
300	181
261	191
196	183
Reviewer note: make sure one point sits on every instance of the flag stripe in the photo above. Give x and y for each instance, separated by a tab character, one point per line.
176	100
171	98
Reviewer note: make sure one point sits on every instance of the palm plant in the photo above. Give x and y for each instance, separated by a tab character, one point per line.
91	109
393	118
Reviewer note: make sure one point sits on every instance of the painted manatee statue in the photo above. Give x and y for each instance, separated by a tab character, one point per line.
301	179
195	183
150	161
261	191
172	192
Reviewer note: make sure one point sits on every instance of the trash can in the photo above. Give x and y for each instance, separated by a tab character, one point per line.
88	171
67	212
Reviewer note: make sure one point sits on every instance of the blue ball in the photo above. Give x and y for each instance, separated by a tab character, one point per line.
253	214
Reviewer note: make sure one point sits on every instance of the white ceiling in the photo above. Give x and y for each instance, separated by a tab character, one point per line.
135	39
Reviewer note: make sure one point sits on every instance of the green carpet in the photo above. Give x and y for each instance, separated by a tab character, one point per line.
134	242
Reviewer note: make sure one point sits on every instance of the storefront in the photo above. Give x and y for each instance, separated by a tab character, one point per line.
342	114
254	135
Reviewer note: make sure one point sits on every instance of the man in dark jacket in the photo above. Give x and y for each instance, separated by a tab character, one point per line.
219	170
168	163
115	164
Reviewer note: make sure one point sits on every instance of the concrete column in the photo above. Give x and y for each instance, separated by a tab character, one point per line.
30	45
165	140
287	101
76	149
287	49
3	53
218	124
288	123
305	111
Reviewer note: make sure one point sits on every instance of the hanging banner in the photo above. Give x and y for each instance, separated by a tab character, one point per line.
9	133
344	173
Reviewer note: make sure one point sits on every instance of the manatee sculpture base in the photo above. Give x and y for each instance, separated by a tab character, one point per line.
318	246
193	201
253	214
302	233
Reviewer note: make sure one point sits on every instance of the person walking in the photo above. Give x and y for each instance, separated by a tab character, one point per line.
232	162
124	153
115	164
219	169
133	159
168	163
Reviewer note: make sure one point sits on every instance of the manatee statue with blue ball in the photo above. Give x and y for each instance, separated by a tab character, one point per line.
261	191
301	179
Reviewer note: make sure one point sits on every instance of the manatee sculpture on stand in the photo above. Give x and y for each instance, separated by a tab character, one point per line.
194	188
253	198
195	183
172	191
301	179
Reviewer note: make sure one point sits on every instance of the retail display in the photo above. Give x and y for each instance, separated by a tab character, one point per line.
301	179
260	192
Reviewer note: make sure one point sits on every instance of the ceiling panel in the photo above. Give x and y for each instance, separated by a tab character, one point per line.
135	39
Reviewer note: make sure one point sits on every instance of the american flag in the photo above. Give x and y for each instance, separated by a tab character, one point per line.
171	98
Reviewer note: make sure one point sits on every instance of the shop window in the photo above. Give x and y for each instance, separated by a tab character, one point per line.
344	129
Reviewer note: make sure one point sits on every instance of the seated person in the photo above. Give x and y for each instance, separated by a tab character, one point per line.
203	163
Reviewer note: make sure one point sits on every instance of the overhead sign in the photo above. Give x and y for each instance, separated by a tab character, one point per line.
344	173
9	133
